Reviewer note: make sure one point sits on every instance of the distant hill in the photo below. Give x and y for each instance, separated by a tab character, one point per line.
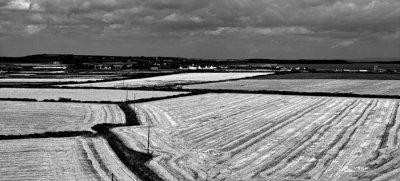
74	59
378	59
299	61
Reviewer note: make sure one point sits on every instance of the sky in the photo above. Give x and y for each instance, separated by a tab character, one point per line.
280	29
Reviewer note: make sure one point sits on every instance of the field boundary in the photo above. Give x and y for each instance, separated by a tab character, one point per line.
135	161
153	87
66	100
330	75
277	92
192	92
41	84
172	85
59	134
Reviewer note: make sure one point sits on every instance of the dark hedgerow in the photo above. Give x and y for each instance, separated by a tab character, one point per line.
134	160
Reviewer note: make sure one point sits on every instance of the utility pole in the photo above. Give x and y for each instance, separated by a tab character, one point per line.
126	96
134	104
148	139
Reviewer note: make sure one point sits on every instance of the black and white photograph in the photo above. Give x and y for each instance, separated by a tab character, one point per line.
200	90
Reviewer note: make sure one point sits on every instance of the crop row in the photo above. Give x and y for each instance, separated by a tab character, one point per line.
249	136
75	158
21	118
363	87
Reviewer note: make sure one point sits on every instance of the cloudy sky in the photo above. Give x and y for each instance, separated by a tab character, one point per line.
288	29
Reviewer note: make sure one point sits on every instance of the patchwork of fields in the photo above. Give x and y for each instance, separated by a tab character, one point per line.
371	87
222	136
75	158
258	137
21	118
183	78
83	94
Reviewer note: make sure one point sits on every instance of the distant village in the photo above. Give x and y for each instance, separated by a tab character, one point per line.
112	63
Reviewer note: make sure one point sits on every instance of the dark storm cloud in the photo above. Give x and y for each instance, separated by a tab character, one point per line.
325	23
318	15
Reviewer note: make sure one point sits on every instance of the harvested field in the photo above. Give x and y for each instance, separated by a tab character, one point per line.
351	66
45	80
74	158
371	87
356	76
269	137
183	78
82	94
21	118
